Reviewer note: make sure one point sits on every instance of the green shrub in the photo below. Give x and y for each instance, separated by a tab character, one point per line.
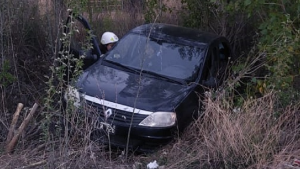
6	77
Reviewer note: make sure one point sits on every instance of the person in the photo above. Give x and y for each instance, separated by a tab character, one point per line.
108	40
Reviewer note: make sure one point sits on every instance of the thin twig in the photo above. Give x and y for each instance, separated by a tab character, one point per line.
34	164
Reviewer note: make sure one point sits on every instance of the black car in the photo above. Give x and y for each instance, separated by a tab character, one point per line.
148	86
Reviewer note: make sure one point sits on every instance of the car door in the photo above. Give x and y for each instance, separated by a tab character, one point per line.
216	64
78	43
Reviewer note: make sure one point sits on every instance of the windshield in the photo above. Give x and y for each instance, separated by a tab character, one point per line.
158	56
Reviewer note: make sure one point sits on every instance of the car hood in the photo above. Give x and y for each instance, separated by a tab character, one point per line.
132	89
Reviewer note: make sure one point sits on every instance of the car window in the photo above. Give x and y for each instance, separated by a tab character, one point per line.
158	56
216	64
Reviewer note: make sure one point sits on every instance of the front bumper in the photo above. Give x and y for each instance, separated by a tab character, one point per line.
143	139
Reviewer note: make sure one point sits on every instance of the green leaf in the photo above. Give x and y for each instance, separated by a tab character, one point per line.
247	2
254	80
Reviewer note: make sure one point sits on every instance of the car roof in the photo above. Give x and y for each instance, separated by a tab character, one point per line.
176	33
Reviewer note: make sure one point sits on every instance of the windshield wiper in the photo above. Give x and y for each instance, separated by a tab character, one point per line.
121	65
178	81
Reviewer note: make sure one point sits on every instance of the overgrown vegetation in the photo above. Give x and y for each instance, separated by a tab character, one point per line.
253	121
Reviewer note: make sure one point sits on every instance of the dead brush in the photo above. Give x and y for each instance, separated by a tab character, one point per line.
250	138
76	145
69	144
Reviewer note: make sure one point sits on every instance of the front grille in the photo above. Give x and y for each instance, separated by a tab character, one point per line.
117	117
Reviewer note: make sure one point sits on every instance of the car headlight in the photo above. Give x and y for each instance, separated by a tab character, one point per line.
159	119
72	95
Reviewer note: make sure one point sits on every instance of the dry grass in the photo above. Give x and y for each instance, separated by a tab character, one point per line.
77	156
250	138
64	146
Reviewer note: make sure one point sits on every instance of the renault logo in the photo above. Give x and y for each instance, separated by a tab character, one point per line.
107	113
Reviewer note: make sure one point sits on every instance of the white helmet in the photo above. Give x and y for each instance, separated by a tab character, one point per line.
109	37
